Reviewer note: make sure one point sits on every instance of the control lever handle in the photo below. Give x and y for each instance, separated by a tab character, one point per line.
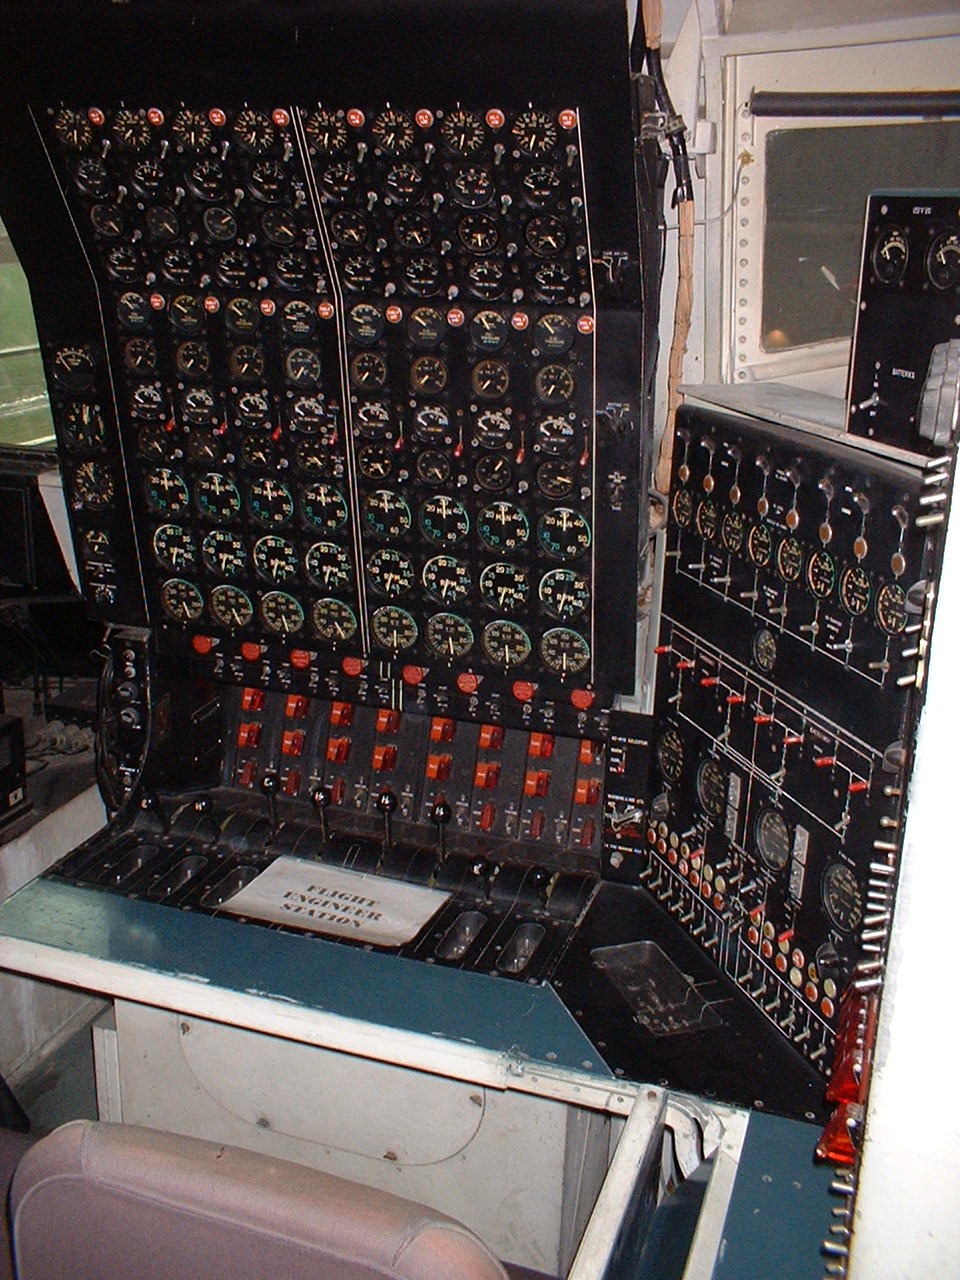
269	785
387	804
320	799
440	815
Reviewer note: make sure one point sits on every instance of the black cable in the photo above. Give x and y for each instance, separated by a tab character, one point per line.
674	130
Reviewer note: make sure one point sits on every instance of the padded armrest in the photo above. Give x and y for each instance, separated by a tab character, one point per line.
13	1146
101	1201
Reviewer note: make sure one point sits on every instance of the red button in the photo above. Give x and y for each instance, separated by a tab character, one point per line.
384	757
291	744
491	737
249	651
341	713
488	813
438	767
537	824
523	690
588	751
441	729
248	735
467	682
338	749
296	706
487	774
540	746
351	667
586	791
252	699
536	783
582	699
203	644
291	782
412	674
388	720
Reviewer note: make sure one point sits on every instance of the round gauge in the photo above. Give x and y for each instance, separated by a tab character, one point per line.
306	415
166	491
259	451
412	230
712	786
224	553
449	636
350	229
765	650
83	426
233	268
670	754
280	227
443	519
393	628
134	311
431	422
365	323
772	837
446	579
428	375
96	544
478	233
186	313
140	355
73	130
842	897
708	518
131	130
205	444
789	559
403	181
220	224
375	462
889	255
73	368
107	221
683	508
555	435
433	467
462	132
493	472
181	600
489	330
505	643
554	333
216	496
241	315
732	531
291	270
486	278
368	369
148	177
198	406
162	223
153	441
192	130
267	181
554	384
563	533
386	514
426	328
311	456
564	651
333	620
534	132
254	131
247	363
390	572
490	379
855	591
252	409
192	359
275	559
551	282
821	574
502	526
505	587
493	429
339	179
93	180
123	263
760	544
359	273
206	180
328	566
541	183
281	613
302	367
230	607
270	503
564	593
472	187
943	260
174	548
546	235
178	265
298	320
422	274
323	506
372	418
148	403
393	131
891	608
326	131
93	484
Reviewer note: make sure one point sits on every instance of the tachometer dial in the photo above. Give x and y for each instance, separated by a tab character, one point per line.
712	786
181	600
505	643
224	553
216	496
281	613
270	502
230	607
393	131
275	559
174	548
131	129
107	221
166	491
192	130
393	628
140	355
93	484
254	131
390	572
333	620
386	514
534	132
443	519
206	444
446	579
505	587
462	132
556	479
350	229
73	130
326	131
564	593
670	754
154	441
449	636
323	506
563	533
502	526
328	566
259	451
564	651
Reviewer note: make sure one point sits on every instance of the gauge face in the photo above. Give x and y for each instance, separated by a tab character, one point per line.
123	263
323	506
428	375
258	451
446	579
93	484
462	132
230	607
556	435
670	754
162	223
368	369
166	491
220	224
554	333
403	181
134	311
443	519
83	426
242	316
545	235
422	274
891	608
478	233
564	593
349	228
372	418
390	572
563	533
339	179
449	636
326	131
333	620
298	320
224	553
552	282
505	587
554	384
505	643
254	131
192	130
486	277
207	180
291	269
181	600
393	628
412	230
280	227
328	566
302	367
760	544
493	428
73	130
386	514
247	363
493	472
889	255
489	330
375	462
433	467
732	531
148	177
712	787
472	187
765	650
193	359
564	651
186	313
216	496
943	260
502	526
252	409
789	559
233	267
281	613
426	328
534	132
841	897
131	130
275	558
708	519
556	479
107	221
267	181
147	404
773	838
541	183
73	368
855	591
306	415
393	131
821	574
490	379
205	444
431	424
365	323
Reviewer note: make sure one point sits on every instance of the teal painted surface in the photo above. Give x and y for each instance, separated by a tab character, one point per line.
467	1008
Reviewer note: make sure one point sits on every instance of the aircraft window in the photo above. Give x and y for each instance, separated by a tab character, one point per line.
24	407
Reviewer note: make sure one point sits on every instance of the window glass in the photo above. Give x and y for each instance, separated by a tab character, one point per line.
24	408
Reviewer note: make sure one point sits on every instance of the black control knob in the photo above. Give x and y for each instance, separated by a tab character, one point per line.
270	785
320	799
387	804
482	872
440	815
539	879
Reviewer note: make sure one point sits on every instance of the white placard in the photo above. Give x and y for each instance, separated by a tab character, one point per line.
344	904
